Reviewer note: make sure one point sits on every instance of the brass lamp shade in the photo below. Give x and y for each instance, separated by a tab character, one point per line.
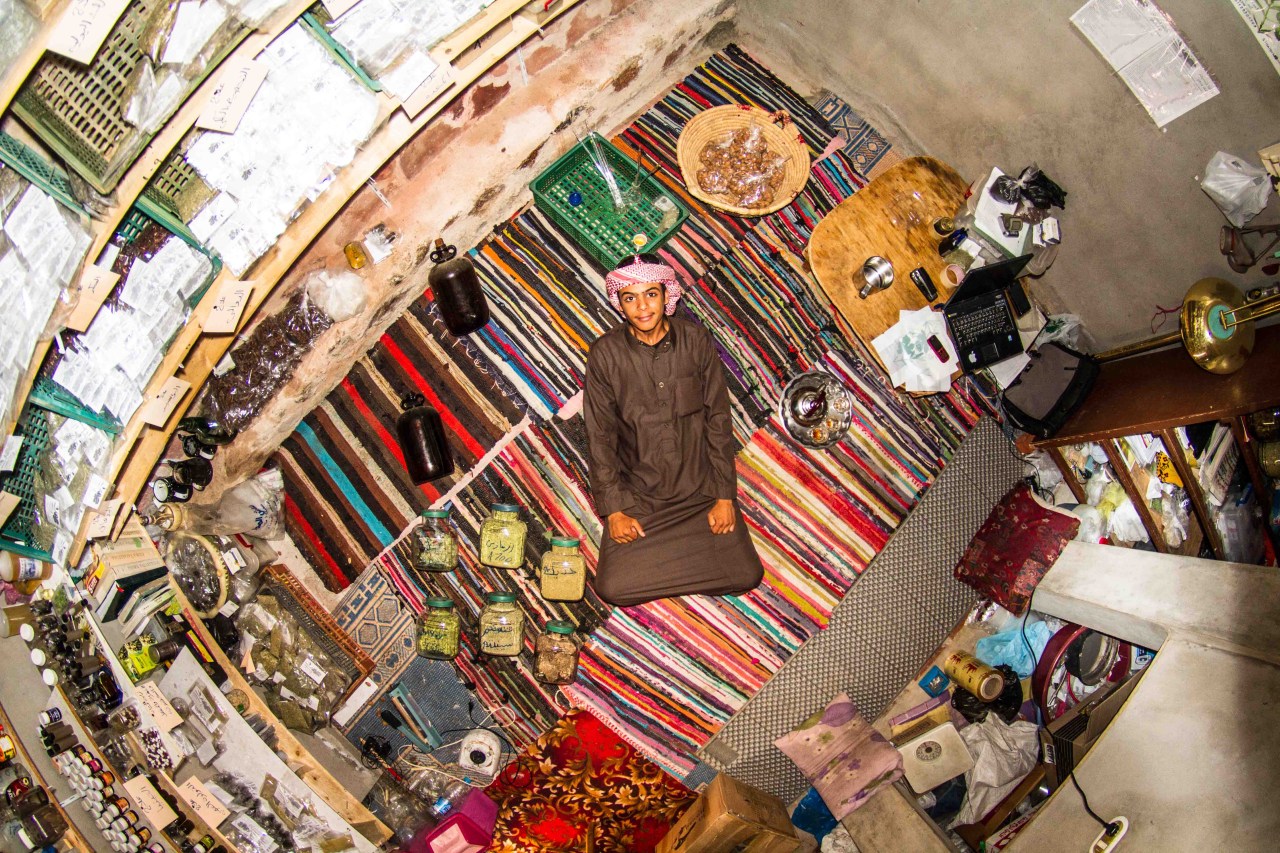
1209	331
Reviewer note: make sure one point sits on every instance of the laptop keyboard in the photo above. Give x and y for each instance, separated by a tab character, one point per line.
971	326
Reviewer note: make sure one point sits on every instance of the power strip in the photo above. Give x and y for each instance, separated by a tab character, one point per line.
1106	842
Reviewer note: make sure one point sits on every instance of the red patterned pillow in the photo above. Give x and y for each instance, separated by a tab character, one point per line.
1017	544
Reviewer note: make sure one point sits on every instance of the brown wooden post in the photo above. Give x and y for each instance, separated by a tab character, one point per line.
1068	474
1203	512
1139	500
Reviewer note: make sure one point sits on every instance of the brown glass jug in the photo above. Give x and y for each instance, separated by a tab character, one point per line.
426	450
456	290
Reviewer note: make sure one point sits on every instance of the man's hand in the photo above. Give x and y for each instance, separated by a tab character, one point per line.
722	517
623	528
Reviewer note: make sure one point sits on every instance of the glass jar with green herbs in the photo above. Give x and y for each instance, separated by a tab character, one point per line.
502	537
501	625
433	547
564	572
438	630
556	654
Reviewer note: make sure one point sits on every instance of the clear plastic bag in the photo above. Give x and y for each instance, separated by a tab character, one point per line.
741	168
255	506
338	293
201	576
1239	188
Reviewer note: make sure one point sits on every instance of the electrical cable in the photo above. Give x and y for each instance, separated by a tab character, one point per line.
1110	827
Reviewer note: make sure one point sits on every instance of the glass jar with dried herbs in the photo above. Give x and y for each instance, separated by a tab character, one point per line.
564	572
556	654
438	630
502	537
501	625
433	547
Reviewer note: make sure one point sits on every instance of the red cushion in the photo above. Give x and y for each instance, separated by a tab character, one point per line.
1017	544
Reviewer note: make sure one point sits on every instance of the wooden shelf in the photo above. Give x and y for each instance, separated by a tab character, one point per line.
35	49
304	764
202	828
73	835
193	356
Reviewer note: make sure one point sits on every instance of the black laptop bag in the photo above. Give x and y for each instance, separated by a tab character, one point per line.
1049	389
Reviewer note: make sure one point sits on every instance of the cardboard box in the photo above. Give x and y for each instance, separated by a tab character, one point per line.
1066	740
730	816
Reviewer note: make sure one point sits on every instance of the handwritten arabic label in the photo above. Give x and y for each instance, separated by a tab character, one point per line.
431	88
162	713
159	407
227	308
84	26
8	503
239	82
149	802
104	519
95	283
206	805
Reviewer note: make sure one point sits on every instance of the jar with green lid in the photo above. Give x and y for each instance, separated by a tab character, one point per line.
564	572
556	654
501	625
438	630
433	547
502	538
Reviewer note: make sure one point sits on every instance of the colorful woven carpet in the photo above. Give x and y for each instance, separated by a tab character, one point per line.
665	676
579	778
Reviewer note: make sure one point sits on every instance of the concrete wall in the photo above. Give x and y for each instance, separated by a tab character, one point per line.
1009	82
1193	758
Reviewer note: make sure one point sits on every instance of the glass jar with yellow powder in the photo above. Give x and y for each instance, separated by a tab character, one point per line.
438	630
501	625
502	538
564	572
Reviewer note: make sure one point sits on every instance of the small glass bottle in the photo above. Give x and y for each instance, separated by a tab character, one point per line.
564	572
434	548
501	625
438	630
556	660
502	538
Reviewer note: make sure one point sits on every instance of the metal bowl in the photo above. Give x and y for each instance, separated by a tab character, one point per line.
817	409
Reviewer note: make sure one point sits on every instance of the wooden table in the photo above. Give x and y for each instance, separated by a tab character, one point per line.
891	217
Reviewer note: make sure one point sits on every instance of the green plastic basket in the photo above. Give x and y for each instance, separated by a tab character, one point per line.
178	188
313	21
144	209
78	110
593	224
48	394
33	167
17	535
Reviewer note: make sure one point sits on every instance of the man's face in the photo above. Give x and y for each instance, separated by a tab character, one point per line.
643	305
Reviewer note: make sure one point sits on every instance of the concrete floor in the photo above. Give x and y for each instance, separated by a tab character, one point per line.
1007	83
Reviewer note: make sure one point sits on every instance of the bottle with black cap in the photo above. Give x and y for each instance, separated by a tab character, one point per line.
169	490
194	448
207	431
196	472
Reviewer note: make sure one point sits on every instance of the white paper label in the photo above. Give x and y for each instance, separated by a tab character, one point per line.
102	521
240	80
9	455
313	670
226	365
84	26
229	609
96	492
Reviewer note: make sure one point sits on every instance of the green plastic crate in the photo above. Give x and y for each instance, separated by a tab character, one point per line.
178	188
78	110
313	23
33	167
145	209
48	394
594	225
17	533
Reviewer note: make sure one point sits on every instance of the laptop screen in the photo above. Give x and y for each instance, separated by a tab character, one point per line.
989	279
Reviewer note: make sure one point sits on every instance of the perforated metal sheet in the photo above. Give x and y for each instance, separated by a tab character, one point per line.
895	616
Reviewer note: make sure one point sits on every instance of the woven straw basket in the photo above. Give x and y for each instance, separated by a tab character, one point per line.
717	122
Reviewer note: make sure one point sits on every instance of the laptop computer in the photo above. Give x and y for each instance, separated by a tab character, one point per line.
978	316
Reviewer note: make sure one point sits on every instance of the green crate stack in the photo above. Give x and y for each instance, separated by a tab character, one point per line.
145	209
33	167
606	235
48	394
78	110
17	534
178	188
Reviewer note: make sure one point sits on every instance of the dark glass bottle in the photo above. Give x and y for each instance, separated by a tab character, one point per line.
208	431
168	490
196	472
951	241
193	447
456	290
426	450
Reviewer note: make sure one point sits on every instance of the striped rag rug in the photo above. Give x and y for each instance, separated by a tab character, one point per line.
664	676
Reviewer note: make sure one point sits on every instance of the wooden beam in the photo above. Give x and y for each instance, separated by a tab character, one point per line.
1125	477
1189	482
1068	474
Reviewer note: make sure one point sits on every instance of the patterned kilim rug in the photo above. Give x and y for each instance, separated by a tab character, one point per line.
580	778
665	676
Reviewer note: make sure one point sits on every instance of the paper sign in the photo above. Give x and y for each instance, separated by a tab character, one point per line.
149	802
157	410
95	283
84	26
162	713
228	307
96	492
239	82
101	522
440	80
207	807
9	455
8	503
336	8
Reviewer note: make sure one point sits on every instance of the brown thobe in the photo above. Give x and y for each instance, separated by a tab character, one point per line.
660	438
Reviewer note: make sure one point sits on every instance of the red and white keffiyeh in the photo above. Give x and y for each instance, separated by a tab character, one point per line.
644	273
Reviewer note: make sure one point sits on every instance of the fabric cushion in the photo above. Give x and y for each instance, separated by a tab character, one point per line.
1019	541
844	759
